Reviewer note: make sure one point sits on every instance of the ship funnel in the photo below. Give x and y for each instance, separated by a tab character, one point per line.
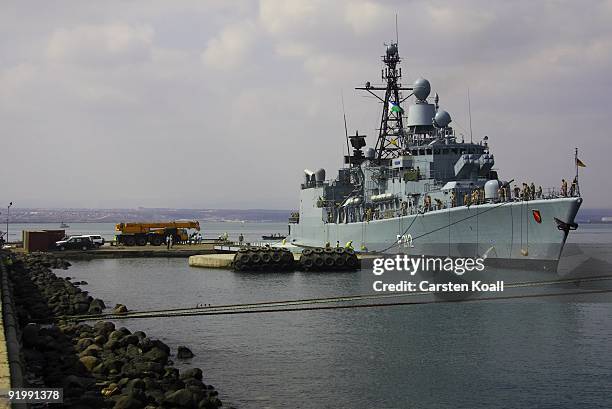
320	175
308	176
442	119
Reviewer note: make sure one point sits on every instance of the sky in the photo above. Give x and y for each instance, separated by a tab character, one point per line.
222	104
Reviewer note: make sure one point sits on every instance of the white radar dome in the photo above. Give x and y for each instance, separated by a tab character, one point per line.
442	119
421	89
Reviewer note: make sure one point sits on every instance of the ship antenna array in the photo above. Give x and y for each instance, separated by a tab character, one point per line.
348	148
470	115
396	31
391	131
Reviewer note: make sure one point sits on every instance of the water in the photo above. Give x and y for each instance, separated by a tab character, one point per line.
479	355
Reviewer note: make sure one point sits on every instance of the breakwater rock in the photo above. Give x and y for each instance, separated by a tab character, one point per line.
98	365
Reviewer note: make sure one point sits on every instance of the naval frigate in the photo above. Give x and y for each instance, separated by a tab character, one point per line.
424	190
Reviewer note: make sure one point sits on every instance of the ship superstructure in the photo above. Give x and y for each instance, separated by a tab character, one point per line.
423	190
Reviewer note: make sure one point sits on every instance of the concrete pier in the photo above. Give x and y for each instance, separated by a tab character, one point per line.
181	250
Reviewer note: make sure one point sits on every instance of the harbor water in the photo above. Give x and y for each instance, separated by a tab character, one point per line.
474	355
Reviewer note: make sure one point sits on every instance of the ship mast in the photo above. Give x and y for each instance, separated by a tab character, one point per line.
391	132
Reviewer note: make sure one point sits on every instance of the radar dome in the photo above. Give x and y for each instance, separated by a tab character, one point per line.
442	119
421	89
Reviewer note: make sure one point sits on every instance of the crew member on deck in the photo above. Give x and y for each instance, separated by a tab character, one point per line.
517	192
563	187
573	187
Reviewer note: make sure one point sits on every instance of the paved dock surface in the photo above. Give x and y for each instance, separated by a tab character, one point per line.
179	250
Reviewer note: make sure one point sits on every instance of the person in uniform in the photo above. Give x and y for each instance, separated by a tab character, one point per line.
349	245
466	199
517	192
563	187
532	190
539	192
453	198
574	187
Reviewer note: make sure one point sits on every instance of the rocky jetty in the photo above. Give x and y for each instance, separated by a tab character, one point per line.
98	365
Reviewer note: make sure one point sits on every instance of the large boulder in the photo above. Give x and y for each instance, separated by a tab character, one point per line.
156	354
30	336
184	353
89	362
104	327
182	398
127	402
195	373
138	368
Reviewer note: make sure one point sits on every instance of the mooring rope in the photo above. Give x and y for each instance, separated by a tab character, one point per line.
282	303
354	306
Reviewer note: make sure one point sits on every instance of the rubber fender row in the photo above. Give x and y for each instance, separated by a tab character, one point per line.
263	259
329	259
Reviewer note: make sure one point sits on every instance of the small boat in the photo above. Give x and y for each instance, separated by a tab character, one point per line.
63	226
274	236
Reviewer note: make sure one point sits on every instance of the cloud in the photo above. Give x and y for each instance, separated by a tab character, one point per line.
282	16
103	44
366	16
253	88
231	47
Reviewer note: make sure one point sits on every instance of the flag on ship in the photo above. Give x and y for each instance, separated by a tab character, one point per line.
393	107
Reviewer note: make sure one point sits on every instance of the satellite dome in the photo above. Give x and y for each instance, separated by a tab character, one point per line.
442	119
421	89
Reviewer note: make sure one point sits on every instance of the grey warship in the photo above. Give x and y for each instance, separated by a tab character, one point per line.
423	190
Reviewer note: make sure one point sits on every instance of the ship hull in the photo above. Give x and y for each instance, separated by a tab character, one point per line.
498	231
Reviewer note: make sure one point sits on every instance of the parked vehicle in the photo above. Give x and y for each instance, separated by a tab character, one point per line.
155	233
96	239
75	243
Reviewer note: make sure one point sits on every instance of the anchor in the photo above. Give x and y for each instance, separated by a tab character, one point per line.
566	227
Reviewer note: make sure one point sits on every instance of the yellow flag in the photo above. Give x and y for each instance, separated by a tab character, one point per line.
580	163
393	142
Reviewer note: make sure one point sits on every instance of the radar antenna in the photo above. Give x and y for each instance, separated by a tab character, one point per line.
391	131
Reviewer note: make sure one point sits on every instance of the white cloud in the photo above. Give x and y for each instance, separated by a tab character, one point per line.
231	47
101	44
367	16
281	16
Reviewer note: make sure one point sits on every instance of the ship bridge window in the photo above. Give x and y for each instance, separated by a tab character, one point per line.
436	151
414	152
421	151
428	151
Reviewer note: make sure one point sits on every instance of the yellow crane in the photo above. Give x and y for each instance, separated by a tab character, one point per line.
141	233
